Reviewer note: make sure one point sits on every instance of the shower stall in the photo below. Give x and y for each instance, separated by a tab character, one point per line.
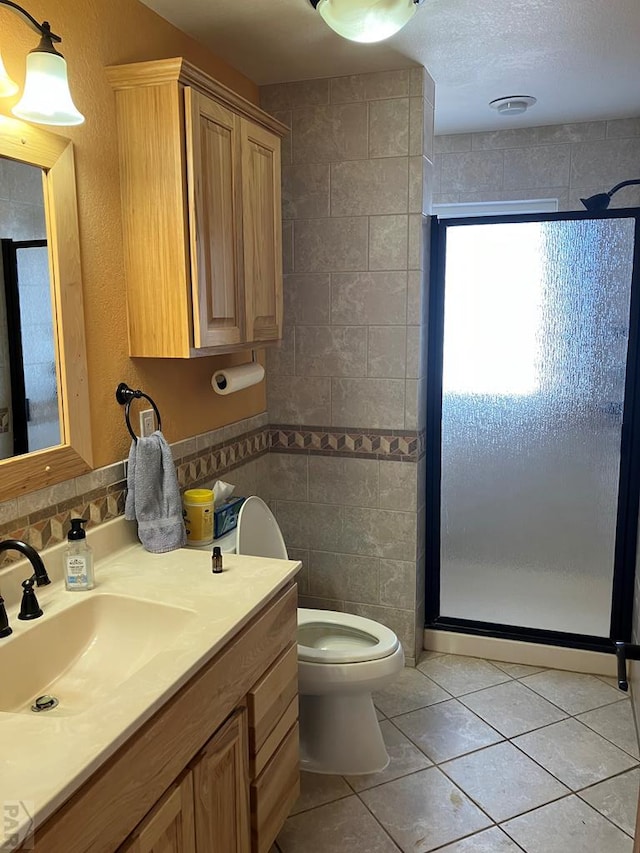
532	426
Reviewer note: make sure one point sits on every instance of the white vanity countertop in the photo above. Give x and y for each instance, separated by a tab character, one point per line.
46	757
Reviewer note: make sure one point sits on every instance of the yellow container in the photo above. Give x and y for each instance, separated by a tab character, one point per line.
198	516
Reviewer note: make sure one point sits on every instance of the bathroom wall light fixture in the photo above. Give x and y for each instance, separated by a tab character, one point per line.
366	20
513	105
600	201
7	86
46	98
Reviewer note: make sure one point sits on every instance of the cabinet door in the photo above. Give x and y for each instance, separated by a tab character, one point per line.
213	181
221	789
262	233
169	827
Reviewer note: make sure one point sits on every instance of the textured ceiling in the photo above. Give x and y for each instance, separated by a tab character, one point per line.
579	58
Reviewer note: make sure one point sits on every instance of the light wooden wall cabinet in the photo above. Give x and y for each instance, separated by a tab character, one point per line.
200	183
214	771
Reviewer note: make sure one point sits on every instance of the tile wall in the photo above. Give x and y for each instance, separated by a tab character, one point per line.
356	181
563	161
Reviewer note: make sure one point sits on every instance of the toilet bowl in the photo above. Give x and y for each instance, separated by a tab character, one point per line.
342	660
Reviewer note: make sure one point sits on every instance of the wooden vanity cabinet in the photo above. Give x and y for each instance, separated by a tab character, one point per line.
200	184
195	778
207	809
169	828
221	795
273	748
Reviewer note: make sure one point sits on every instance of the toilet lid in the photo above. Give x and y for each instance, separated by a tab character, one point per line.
258	531
326	636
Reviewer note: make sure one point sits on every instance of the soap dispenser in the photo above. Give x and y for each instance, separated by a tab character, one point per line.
78	558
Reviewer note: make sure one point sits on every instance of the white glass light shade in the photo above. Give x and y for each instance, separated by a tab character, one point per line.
46	98
7	85
367	20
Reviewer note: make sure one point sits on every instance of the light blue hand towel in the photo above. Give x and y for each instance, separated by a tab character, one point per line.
153	495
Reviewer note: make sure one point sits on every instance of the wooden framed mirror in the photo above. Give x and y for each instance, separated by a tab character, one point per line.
53	155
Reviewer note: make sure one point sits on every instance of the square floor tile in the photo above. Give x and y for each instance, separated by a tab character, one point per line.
575	754
446	730
615	722
461	675
512	708
567	826
405	758
516	670
574	692
424	811
409	691
488	841
616	799
341	827
316	789
503	781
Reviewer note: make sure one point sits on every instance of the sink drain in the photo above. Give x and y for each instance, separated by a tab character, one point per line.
44	703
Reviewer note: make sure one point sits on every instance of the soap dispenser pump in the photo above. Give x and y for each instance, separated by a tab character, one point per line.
78	558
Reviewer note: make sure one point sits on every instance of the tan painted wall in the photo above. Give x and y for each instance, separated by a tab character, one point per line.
97	33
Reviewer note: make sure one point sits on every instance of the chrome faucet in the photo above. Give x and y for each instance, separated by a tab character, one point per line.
29	608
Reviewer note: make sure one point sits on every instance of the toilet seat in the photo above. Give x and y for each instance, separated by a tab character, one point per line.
330	637
258	534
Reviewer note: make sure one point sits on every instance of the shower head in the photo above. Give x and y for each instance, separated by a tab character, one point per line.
600	201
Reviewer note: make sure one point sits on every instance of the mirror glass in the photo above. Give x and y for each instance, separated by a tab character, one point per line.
29	398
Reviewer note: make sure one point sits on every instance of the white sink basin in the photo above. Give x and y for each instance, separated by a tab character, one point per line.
83	653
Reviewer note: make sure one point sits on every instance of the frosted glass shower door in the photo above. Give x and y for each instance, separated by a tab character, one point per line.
38	355
536	330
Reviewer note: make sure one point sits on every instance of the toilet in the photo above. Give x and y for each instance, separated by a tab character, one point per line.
342	660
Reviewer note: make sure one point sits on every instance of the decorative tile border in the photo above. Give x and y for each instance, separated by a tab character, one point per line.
48	524
199	468
403	445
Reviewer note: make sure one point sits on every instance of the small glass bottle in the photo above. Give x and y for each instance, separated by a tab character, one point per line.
216	560
78	558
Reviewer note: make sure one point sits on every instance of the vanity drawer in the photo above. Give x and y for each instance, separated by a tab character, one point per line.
274	792
259	761
271	697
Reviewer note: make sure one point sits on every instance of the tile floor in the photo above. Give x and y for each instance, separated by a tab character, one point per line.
485	758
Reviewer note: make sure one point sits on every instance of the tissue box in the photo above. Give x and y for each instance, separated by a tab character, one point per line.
225	516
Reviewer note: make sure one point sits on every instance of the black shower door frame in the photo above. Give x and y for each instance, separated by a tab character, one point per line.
626	533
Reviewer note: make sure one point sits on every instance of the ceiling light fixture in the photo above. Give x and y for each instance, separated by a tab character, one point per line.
46	98
366	20
600	201
512	105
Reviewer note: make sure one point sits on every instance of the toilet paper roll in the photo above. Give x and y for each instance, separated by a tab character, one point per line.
233	379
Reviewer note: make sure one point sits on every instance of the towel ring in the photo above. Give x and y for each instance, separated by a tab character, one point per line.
125	396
